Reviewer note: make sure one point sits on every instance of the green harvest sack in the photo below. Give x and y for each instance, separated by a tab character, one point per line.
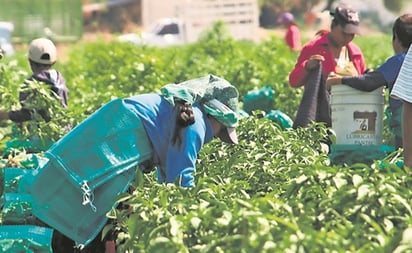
86	170
351	154
12	178
32	145
280	118
16	209
25	239
259	99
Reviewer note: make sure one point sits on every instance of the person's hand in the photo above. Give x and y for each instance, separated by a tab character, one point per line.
333	80
313	62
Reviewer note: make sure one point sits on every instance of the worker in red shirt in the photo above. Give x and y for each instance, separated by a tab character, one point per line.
330	52
334	48
292	37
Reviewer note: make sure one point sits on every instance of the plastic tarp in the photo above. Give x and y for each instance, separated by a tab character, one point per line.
281	118
16	209
259	99
350	154
86	170
25	239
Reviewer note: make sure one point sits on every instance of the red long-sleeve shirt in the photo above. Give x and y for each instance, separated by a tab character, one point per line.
320	45
292	37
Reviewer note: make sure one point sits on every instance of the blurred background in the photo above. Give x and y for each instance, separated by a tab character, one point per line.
70	21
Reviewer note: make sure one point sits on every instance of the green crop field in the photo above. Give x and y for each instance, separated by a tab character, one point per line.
277	191
30	18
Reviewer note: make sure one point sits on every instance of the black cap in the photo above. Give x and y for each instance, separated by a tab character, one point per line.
348	18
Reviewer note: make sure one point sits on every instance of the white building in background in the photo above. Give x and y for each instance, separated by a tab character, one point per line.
240	16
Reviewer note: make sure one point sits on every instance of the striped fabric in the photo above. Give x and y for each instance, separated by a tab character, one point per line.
402	88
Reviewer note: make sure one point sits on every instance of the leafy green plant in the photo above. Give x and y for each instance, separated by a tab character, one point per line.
275	191
39	132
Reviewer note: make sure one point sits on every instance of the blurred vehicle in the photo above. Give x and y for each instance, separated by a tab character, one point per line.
165	32
6	45
174	31
183	22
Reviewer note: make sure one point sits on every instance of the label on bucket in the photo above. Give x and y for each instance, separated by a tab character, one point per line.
357	117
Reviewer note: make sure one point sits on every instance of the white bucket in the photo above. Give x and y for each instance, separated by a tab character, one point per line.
357	116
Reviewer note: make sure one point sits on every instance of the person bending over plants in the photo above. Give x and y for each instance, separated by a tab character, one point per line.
182	119
177	122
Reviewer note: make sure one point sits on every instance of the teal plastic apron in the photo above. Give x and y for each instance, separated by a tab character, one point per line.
86	170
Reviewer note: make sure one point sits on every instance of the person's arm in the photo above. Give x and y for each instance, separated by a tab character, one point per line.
303	68
367	82
16	116
407	133
309	59
299	72
182	162
384	75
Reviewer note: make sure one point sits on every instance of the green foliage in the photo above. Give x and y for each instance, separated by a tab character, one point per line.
40	98
36	134
10	74
63	18
274	192
118	69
